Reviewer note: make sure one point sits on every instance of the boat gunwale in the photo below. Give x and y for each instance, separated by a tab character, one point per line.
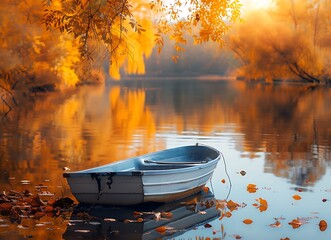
144	172
137	172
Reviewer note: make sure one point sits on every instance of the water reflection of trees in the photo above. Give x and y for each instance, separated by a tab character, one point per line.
289	121
95	127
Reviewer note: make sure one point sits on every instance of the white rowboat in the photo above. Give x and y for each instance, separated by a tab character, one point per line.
162	176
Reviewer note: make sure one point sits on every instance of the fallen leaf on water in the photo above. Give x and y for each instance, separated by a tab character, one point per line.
323	225
166	214
275	224
140	219
236	236
136	213
324	200
251	188
232	205
206	189
296	197
248	221
207	225
285	238
263	204
163	229
296	223
223	180
242	173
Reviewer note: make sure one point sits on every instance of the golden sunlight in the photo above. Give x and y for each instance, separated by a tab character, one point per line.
257	4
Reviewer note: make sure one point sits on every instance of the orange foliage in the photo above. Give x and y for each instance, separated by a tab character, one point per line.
285	42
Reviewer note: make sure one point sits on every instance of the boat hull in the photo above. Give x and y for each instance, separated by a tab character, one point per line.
143	182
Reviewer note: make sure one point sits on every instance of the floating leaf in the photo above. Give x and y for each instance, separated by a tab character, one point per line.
242	173
275	224
166	214
232	205
296	197
323	225
324	200
206	189
163	229
251	188
263	204
223	180
207	225
140	219
248	221
296	223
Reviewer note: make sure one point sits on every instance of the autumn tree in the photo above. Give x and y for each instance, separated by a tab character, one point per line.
112	22
35	57
286	42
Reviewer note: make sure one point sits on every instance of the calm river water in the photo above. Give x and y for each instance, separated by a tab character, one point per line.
279	135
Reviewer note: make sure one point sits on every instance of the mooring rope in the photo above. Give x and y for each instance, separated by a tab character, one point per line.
228	176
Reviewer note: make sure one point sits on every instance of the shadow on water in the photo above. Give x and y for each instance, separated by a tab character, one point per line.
148	221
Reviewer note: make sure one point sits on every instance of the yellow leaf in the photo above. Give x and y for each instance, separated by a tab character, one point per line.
296	197
248	221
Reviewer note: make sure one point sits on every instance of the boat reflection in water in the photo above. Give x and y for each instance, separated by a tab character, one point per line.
148	221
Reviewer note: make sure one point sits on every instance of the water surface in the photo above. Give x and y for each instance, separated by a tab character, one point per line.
280	135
